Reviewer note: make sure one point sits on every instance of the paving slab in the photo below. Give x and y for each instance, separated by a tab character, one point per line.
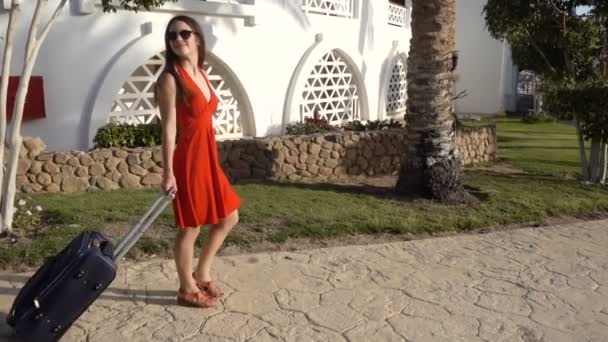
529	285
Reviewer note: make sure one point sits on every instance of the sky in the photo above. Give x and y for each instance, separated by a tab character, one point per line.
583	9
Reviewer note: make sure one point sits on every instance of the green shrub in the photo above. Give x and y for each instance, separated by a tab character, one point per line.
537	117
310	126
317	125
354	125
127	135
587	103
394	124
371	125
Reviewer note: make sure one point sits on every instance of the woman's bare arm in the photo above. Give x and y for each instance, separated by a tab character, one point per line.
166	104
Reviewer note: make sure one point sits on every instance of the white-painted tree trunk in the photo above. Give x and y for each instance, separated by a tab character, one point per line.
595	160
583	153
604	162
13	18
34	41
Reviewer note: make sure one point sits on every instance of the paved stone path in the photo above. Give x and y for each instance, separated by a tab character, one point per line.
545	284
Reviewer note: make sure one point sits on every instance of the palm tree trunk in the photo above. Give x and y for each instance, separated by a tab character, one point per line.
430	167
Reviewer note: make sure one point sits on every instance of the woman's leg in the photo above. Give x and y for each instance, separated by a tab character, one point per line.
184	254
215	239
189	293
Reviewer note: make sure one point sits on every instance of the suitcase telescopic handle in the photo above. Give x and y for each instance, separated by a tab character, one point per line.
144	223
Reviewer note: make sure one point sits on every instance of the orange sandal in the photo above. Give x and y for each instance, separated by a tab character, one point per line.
195	299
209	287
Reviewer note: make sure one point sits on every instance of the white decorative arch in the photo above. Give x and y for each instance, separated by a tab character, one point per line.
310	59
124	63
232	97
232	120
393	85
134	102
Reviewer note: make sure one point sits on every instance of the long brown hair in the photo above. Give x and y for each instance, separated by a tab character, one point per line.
171	59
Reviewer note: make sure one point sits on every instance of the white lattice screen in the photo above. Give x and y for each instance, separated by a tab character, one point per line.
338	8
397	15
331	90
227	118
135	100
396	95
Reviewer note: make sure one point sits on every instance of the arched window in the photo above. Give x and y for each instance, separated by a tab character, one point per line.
134	102
331	91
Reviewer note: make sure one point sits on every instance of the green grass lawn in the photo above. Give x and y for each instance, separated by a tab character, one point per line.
548	148
276	212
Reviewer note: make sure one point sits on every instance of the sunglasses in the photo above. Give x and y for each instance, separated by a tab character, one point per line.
185	34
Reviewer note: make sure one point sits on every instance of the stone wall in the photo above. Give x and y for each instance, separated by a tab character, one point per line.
476	144
321	156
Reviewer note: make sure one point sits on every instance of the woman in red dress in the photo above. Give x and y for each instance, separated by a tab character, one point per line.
203	194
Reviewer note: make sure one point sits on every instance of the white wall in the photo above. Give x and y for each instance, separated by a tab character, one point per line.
485	69
82	55
86	58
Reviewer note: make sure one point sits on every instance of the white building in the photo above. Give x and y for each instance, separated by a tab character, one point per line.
485	68
271	62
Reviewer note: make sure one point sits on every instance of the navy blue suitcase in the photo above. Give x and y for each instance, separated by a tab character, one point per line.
65	286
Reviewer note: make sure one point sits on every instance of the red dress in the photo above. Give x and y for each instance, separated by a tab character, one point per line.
204	195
